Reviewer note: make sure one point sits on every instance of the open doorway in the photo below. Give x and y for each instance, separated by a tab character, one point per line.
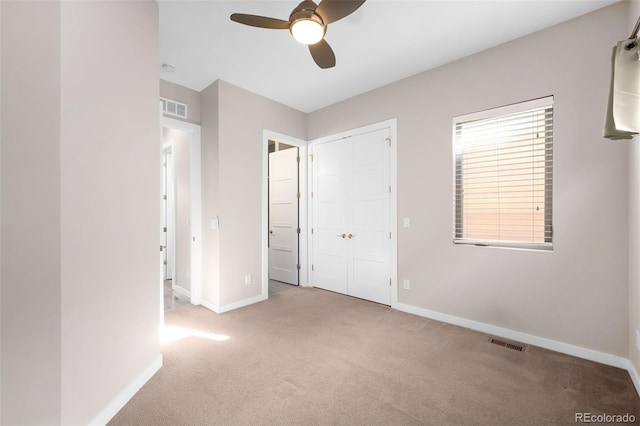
284	213
180	213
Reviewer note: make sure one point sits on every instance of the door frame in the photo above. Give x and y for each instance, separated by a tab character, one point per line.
303	278
296	196
392	125
170	218
195	221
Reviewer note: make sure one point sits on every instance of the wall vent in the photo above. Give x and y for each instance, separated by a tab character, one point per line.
509	345
171	107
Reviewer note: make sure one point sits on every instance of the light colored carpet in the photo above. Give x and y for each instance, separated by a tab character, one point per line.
278	286
311	357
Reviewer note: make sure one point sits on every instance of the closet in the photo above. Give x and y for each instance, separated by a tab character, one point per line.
350	208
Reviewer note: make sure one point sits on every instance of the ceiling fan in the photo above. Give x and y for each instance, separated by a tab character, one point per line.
308	25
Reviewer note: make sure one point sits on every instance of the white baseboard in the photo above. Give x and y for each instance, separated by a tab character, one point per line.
209	305
235	305
181	290
554	345
634	375
127	393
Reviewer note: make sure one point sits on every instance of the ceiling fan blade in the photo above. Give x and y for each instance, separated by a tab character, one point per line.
323	54
332	10
260	21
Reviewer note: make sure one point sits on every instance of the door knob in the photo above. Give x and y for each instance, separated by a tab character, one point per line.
270	231
351	236
342	235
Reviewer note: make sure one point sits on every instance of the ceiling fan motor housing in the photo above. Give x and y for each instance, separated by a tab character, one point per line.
306	11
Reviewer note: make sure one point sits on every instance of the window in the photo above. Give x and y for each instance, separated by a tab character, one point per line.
504	176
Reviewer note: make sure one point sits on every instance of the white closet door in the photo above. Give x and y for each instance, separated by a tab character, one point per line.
331	163
351	202
283	216
369	254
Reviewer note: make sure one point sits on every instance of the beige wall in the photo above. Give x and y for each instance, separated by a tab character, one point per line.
240	118
634	225
183	95
110	201
210	196
80	202
81	326
243	117
576	294
0	215
181	147
31	293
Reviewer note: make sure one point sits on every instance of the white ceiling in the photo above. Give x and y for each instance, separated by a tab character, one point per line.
382	42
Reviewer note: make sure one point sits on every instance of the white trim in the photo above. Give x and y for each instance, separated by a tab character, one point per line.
517	107
209	305
392	125
196	217
633	373
181	290
196	202
127	393
235	305
162	213
554	345
170	220
302	214
393	212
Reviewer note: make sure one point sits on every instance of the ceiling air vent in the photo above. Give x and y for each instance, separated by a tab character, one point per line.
171	107
509	345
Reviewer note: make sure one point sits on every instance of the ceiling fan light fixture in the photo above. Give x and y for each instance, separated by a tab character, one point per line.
308	30
308	25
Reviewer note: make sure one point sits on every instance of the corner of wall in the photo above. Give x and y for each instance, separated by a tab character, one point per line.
634	236
0	214
243	117
210	195
190	97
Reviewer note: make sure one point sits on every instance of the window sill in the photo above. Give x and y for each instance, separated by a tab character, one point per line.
543	247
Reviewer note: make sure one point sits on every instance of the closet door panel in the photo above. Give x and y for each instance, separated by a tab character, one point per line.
369	218
330	171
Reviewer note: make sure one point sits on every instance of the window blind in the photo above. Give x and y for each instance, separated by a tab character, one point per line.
504	176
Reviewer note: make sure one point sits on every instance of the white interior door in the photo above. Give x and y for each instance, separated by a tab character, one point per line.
331	162
170	215
163	216
351	216
369	227
283	216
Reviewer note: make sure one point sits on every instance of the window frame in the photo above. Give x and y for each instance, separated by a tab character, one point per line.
545	103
